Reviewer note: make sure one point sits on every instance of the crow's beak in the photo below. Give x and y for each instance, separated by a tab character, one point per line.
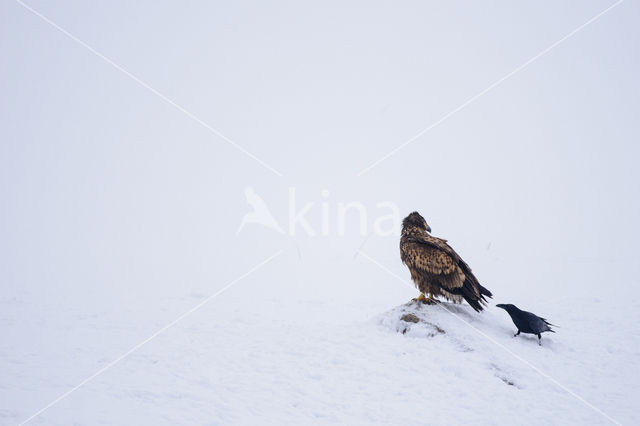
500	305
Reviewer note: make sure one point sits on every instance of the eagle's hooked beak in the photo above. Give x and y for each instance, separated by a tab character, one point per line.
428	229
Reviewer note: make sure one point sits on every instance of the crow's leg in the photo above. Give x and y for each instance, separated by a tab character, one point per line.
516	333
539	340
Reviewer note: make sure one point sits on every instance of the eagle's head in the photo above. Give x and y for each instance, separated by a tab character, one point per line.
415	220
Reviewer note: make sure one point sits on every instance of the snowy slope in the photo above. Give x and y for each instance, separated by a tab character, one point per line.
252	357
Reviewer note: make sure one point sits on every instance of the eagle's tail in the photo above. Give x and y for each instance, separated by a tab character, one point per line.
469	294
484	291
477	303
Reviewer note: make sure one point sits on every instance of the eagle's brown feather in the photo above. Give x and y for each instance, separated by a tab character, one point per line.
435	267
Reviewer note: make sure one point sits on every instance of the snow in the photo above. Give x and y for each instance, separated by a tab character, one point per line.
255	356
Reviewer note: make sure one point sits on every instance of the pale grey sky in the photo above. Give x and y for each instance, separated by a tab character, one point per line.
103	180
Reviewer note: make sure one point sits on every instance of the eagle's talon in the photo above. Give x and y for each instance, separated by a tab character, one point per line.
420	298
425	300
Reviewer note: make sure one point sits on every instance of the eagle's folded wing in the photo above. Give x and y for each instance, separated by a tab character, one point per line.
427	259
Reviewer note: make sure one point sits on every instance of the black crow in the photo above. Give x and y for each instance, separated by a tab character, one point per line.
526	322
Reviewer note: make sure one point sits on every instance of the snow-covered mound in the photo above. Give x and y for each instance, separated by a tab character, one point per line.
262	361
457	331
475	357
